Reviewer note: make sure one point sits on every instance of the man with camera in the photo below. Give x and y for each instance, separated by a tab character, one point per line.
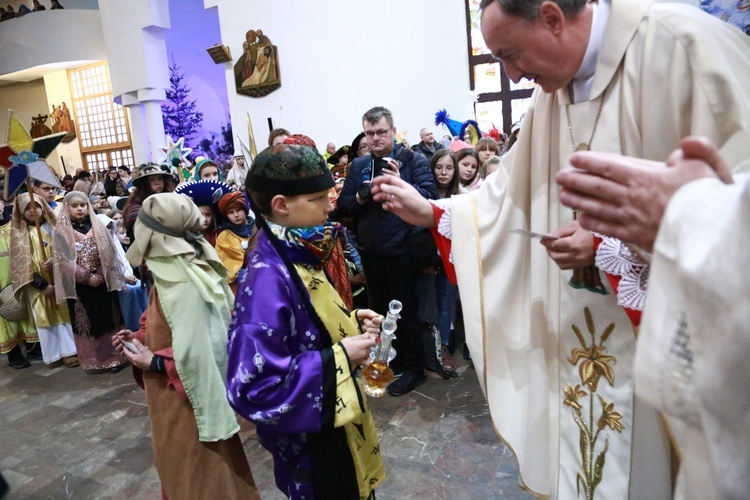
382	237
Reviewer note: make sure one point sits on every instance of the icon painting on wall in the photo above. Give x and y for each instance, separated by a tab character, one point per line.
63	122
256	73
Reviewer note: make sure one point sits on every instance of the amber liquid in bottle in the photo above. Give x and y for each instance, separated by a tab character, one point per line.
378	375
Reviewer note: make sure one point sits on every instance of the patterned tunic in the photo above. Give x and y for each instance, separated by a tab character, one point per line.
295	381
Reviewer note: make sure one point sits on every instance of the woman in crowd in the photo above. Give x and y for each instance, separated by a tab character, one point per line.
237	173
113	184
359	146
88	276
124	173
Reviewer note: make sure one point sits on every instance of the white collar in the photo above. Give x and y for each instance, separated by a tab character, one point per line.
584	78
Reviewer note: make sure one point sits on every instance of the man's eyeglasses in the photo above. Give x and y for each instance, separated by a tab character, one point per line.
380	133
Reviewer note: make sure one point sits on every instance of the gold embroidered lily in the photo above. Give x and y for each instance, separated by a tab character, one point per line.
596	363
572	394
609	417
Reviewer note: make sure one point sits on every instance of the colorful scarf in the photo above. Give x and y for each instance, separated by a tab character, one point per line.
319	240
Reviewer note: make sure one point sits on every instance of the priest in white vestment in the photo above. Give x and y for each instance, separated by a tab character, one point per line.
556	363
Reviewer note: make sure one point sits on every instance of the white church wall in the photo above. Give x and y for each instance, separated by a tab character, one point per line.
26	100
338	59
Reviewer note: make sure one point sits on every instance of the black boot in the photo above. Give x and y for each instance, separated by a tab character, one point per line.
33	350
16	358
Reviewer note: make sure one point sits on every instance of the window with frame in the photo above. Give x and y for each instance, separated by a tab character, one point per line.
500	102
102	124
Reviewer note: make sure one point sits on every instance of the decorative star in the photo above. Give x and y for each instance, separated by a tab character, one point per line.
176	151
23	157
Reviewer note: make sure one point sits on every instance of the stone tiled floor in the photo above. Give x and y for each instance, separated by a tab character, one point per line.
68	434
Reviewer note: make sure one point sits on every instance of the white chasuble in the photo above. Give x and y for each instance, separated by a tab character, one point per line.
692	359
556	363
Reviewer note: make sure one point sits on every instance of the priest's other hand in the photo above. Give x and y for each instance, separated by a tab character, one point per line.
400	197
572	246
625	197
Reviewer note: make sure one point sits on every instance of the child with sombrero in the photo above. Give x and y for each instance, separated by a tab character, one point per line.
206	195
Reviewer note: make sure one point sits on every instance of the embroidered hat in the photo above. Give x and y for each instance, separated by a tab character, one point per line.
289	169
300	140
204	192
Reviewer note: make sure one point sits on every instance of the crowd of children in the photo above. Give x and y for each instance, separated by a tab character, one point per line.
272	254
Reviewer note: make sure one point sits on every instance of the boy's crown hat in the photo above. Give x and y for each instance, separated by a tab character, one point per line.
289	169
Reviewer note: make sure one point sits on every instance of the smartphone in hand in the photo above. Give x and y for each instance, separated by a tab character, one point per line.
131	346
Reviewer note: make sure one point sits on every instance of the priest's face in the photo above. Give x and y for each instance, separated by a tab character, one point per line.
537	50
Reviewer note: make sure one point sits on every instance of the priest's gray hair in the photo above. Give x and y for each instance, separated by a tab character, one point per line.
529	9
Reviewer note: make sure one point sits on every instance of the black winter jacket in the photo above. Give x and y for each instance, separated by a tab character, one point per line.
422	149
380	232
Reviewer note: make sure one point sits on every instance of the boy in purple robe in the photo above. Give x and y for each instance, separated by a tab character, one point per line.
293	347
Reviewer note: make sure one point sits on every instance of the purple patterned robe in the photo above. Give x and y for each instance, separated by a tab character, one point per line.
281	376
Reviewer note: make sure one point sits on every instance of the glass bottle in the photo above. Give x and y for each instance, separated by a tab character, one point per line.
378	374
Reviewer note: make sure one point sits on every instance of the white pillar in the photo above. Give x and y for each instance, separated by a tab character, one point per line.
151	104
137	56
138	129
